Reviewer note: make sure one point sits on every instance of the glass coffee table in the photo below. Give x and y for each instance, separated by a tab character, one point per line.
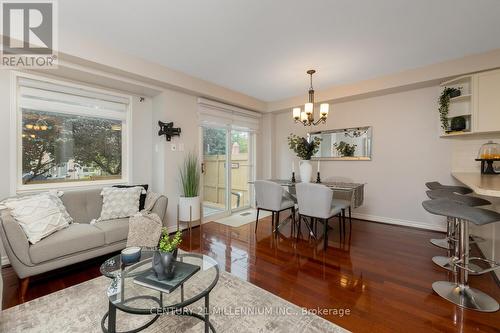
129	297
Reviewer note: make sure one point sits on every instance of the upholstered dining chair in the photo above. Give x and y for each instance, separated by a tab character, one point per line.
271	197
316	202
343	200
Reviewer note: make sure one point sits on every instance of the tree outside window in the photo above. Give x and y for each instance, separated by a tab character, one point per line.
61	147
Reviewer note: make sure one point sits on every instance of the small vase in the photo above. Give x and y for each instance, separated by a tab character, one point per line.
164	264
305	169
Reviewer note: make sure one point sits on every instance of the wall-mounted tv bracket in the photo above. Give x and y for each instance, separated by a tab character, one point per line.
168	130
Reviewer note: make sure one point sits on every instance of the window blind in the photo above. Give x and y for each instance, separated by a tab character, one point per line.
211	113
50	97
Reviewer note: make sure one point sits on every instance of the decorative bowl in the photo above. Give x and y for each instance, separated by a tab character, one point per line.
131	255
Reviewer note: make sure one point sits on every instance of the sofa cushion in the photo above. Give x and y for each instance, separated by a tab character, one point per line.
83	205
114	230
119	202
75	238
39	215
142	198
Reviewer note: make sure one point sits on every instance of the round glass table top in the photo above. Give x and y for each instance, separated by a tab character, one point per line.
132	297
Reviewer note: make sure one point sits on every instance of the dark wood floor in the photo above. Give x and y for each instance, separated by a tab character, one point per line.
382	274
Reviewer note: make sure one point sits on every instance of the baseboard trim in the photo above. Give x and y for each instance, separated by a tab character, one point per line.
405	223
5	261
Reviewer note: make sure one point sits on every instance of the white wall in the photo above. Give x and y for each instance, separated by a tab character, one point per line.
182	110
407	152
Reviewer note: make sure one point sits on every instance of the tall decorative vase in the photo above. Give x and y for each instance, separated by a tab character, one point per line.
305	169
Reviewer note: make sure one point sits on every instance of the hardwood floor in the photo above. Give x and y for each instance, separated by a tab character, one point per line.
382	275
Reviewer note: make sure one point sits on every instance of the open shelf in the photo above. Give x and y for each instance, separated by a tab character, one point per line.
461	98
455	134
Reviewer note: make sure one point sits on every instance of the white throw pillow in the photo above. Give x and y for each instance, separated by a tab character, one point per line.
39	215
119	202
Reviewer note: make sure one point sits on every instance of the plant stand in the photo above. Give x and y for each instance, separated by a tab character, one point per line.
190	222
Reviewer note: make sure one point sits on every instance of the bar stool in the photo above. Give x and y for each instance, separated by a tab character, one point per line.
443	261
459	291
451	188
444	243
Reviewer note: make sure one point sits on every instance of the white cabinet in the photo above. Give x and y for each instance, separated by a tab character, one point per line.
479	103
487	118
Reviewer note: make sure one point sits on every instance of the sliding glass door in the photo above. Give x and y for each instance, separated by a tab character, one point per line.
227	167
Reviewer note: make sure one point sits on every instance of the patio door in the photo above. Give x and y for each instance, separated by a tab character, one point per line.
227	167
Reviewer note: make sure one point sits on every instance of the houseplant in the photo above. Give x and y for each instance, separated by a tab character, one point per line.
305	150
444	104
189	202
164	259
345	149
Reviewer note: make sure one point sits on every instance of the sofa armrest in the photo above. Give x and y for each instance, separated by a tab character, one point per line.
160	208
14	239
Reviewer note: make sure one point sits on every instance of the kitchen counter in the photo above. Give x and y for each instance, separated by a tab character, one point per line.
488	185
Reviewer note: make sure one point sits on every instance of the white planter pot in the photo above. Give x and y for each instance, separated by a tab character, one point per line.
187	204
306	170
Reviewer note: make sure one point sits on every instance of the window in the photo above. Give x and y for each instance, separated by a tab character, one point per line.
70	135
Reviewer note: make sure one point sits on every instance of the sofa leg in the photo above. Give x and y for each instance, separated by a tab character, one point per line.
23	287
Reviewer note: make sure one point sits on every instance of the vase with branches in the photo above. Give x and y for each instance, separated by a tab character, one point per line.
305	150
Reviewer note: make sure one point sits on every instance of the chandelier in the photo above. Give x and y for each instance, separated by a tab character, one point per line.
306	116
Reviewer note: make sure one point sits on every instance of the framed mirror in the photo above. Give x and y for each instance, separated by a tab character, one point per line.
351	144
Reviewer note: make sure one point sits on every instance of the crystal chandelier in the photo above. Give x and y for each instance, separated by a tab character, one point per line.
306	116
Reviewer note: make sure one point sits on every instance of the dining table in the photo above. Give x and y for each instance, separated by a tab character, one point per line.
354	192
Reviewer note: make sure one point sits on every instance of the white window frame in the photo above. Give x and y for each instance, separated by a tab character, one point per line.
17	185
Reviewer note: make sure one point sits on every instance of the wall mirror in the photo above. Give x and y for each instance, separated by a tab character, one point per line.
344	144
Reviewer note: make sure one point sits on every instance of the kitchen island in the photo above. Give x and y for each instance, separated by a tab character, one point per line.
488	185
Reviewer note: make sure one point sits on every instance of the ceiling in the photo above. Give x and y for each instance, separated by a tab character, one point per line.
263	48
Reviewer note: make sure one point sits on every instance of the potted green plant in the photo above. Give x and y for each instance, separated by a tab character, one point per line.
189	202
305	150
444	104
164	259
345	149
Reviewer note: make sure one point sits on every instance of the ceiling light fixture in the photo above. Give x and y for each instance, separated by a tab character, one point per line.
306	116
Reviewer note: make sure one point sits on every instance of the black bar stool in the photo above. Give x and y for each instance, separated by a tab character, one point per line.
445	261
459	291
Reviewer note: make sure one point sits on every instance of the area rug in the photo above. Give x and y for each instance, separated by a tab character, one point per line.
80	309
244	217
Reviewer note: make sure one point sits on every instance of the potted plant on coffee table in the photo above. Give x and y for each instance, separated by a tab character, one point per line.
164	259
189	202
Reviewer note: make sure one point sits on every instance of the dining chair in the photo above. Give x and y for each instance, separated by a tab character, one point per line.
316	202
343	200
270	196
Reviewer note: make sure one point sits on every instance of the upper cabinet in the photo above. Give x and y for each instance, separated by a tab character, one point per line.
476	109
487	117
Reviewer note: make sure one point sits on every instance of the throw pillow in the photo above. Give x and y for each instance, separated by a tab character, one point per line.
142	199
39	215
119	202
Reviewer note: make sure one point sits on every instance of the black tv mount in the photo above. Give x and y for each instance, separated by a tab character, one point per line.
168	130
